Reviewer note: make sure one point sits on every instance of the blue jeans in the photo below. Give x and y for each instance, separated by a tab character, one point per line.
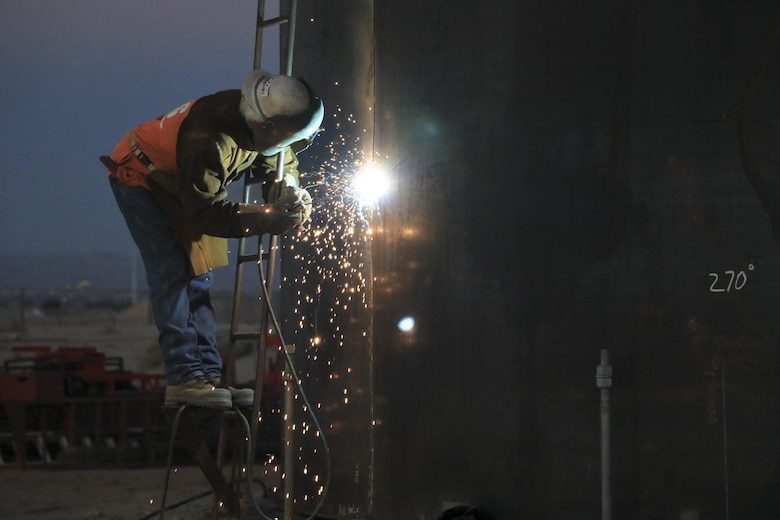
181	303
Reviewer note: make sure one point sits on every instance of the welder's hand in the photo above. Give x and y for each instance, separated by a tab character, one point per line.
274	217
307	204
275	221
291	206
299	202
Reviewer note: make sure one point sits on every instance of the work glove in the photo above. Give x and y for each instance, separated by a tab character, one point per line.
288	211
296	199
274	218
301	202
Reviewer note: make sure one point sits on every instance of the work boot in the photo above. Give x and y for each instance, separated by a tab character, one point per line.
198	392
242	397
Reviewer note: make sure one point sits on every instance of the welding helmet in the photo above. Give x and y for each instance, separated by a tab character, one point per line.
289	111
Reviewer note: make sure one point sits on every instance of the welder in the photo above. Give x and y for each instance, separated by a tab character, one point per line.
169	177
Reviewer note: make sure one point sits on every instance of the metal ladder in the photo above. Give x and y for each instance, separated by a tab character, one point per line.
268	256
231	493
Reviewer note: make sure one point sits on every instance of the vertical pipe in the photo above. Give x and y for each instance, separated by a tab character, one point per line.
293	18
725	441
604	382
289	400
261	342
606	491
273	248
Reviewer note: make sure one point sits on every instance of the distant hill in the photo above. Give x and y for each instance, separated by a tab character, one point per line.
51	283
96	271
108	271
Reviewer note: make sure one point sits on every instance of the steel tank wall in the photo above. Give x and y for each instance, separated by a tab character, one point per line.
567	177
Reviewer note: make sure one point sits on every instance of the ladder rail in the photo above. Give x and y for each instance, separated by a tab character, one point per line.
269	257
249	180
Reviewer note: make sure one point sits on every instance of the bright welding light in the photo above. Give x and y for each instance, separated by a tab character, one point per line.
406	324
370	184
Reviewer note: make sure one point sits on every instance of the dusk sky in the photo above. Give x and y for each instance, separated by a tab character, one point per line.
77	75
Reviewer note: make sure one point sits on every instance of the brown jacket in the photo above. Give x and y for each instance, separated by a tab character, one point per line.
197	150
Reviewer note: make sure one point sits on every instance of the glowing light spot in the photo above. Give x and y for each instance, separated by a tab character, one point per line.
370	184
406	324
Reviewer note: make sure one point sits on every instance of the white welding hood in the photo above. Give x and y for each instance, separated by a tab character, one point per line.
289	109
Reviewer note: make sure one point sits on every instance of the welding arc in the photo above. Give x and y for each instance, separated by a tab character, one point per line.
302	393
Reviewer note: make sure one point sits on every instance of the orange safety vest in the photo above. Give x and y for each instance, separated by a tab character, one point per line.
157	140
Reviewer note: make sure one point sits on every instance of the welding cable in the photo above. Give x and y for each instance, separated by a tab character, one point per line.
302	393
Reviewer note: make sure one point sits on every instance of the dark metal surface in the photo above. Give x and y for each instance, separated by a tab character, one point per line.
567	178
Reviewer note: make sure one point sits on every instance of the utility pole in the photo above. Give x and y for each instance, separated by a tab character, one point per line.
22	310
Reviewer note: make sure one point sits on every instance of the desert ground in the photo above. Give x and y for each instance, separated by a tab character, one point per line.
102	494
105	493
127	332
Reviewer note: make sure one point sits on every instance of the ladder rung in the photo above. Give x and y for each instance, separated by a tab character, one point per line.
251	258
279	20
248	258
